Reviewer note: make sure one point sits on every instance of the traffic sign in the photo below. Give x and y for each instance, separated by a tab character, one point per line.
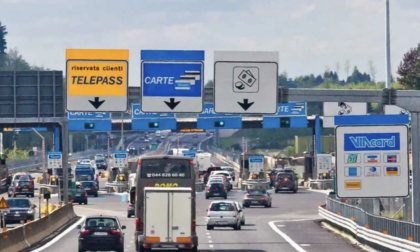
90	125
137	114
172	81
4	207
89	115
272	122
120	159
245	82
97	80
372	161
55	160
24	130
290	109
208	112
256	163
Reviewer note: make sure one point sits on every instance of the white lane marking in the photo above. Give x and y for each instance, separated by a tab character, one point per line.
281	225
295	220
211	246
210	241
209	237
61	235
305	245
285	237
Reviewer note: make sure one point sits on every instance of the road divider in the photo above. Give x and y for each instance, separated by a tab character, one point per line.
26	236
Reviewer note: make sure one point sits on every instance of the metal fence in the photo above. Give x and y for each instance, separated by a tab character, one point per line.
397	228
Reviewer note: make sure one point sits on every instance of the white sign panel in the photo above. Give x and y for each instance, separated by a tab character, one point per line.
120	159
372	161
1	143
323	163
395	110
245	82
332	109
55	160
256	163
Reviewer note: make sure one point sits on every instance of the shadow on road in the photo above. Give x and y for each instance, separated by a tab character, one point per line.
231	250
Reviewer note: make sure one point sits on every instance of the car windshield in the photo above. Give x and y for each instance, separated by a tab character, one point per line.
18	203
101	222
222	206
87	184
100	160
228	169
257	192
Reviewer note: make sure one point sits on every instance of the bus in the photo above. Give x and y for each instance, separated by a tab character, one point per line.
162	171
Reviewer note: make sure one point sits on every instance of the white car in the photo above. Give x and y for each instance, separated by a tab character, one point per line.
226	174
224	213
225	180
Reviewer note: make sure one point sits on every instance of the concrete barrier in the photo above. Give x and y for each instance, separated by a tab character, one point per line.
199	186
29	234
323	184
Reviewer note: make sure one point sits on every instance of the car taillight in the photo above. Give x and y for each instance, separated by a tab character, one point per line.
86	195
85	232
130	205
193	226
208	188
229	179
276	183
139	224
31	186
17	187
264	197
94	188
207	173
271	176
115	232
223	189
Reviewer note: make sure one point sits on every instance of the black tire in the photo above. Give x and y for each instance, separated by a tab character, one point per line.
207	197
242	222
225	197
294	191
85	202
128	215
96	195
276	191
143	249
9	195
33	195
209	227
81	250
80	203
237	227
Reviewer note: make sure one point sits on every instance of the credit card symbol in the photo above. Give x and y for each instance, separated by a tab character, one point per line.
392	171
352	158
392	158
372	158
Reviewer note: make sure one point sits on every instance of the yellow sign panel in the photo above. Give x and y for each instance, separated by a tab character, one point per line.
7	129
3	204
190	130
353	184
166	185
96	78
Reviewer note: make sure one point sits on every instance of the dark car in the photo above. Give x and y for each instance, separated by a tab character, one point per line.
21	187
21	209
130	210
285	181
208	172
101	164
216	190
81	195
90	187
101	233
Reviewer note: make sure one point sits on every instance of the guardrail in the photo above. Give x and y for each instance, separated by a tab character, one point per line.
376	231
26	236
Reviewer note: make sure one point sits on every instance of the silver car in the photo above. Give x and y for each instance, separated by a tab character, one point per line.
224	213
256	197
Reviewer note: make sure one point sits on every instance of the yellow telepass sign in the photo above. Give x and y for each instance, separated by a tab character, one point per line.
97	80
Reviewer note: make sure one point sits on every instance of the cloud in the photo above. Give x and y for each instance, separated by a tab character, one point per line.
304	10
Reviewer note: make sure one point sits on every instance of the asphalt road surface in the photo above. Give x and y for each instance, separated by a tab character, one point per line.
289	225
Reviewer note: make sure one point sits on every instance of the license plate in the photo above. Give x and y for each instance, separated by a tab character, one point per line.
167	246
87	188
78	195
285	187
25	189
101	233
17	215
217	194
254	202
221	223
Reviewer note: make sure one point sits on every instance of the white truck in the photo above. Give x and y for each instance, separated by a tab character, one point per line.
167	223
203	162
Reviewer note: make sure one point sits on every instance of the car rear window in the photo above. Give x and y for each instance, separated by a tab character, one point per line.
256	192
282	176
84	184
16	203
228	169
216	185
166	168
101	222
222	206
25	183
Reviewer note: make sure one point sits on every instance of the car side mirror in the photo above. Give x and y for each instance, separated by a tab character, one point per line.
123	227
79	227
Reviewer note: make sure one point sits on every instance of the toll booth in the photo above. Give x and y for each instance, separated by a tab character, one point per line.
309	165
244	163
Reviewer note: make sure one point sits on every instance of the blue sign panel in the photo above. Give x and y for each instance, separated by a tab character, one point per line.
24	130
228	123
54	155
290	109
371	120
372	142
144	124
172	81
89	115
295	122
137	114
189	151
189	154
99	125
208	112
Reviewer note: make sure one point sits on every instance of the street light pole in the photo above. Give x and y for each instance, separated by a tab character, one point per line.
43	148
388	48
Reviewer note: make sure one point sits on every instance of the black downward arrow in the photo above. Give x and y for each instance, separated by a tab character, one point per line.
96	103
245	105
172	103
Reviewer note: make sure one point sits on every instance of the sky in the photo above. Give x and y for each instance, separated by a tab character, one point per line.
310	35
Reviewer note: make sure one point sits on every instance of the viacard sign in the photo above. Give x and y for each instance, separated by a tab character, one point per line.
372	142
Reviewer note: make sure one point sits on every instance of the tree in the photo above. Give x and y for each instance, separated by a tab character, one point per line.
337	68
16	62
290	151
409	69
372	71
3	44
347	68
209	84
